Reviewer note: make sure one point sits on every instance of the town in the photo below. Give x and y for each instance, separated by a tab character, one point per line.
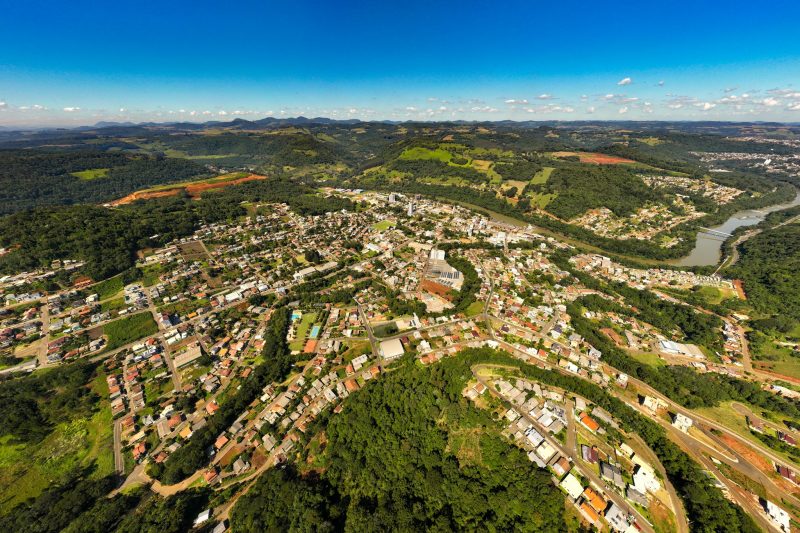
401	276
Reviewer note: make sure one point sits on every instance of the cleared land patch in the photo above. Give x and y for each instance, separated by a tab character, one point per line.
594	158
91	173
192	188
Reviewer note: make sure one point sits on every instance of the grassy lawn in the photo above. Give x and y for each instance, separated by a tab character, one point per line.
91	174
108	288
647	358
383	225
113	304
474	309
150	274
542	176
541	200
131	328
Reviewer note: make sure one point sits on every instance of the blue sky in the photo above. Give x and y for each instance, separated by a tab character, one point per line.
77	62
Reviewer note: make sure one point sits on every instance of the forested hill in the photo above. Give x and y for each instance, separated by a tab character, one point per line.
31	179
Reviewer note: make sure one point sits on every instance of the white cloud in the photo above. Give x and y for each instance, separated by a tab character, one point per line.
545	96
122	110
71	109
794	106
411	108
590	109
3	105
660	83
705	106
514	101
770	102
623	110
625	81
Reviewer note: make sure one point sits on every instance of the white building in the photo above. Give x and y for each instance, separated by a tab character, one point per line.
682	422
391	349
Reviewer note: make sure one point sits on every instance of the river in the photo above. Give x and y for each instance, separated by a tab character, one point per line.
708	248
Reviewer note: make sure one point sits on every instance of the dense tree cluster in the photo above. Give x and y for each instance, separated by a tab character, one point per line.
31	179
390	466
32	405
769	264
580	188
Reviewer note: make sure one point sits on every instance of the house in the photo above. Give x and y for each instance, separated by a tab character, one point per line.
777	515
221	441
612	473
653	404
645	480
202	517
589	423
594	499
590	514
211	476
589	454
545	451
682	422
636	497
616	518
139	450
561	467
572	486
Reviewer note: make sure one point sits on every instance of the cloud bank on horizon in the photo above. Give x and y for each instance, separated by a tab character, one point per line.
433	60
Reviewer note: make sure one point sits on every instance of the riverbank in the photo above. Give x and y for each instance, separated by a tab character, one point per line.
709	244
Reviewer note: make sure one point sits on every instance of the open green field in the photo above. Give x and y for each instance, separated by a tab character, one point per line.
541	200
542	176
108	288
647	358
383	225
419	152
92	173
474	309
129	329
113	304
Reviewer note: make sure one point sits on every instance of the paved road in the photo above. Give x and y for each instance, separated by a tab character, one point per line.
595	480
119	461
373	342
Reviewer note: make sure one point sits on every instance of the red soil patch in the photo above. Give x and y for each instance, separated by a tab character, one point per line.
438	289
602	159
596	159
194	190
739	286
756	459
